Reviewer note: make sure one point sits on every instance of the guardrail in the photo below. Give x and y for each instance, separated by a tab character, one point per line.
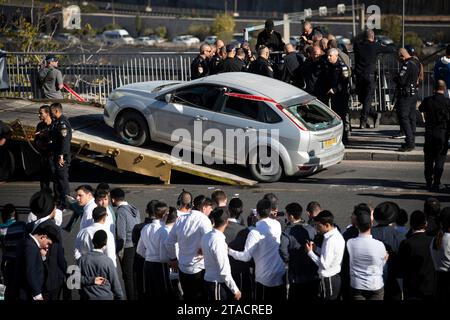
94	75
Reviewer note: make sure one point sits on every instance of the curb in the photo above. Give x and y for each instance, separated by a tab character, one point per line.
375	155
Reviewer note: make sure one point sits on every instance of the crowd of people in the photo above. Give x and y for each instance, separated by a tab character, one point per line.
216	249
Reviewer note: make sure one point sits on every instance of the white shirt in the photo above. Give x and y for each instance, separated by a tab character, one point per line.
58	218
331	254
262	245
188	231
441	257
109	222
217	264
367	259
83	242
151	244
182	213
86	219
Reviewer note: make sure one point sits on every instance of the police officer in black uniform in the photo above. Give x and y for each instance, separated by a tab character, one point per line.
61	138
337	88
270	38
292	67
437	115
200	65
231	63
262	65
406	94
312	70
366	52
43	142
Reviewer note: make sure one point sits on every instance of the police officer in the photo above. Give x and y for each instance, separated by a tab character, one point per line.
337	88
366	52
436	110
230	64
292	67
262	65
306	38
200	66
43	142
61	138
270	38
406	93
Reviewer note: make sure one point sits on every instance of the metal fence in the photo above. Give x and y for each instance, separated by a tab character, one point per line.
94	75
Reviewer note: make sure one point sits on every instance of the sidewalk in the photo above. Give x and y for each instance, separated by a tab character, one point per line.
376	144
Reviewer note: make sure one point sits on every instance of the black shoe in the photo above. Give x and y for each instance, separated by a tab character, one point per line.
376	120
438	187
405	148
398	136
364	125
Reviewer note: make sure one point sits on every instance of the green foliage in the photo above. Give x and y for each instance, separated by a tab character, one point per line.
85	32
391	26
148	31
226	36
223	25
199	30
161	31
89	8
138	24
414	40
441	37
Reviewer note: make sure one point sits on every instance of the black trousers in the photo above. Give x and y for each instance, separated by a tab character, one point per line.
157	281
217	291
46	172
192	285
126	262
365	86
435	152
308	291
339	104
138	276
61	183
406	112
245	283
443	286
263	293
330	287
358	294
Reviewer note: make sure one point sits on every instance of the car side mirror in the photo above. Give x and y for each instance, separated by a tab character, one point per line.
169	97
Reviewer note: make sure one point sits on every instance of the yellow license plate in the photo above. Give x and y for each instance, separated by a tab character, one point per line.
330	142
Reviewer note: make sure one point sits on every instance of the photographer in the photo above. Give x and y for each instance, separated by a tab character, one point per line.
50	79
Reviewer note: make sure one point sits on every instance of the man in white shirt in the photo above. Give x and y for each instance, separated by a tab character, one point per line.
218	280
367	259
85	198
262	245
83	241
102	200
151	246
329	257
188	232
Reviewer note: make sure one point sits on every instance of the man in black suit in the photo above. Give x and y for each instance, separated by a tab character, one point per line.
235	237
415	262
30	278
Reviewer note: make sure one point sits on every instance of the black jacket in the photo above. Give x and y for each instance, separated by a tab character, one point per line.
416	266
235	237
366	55
262	67
273	40
199	68
292	250
292	70
61	137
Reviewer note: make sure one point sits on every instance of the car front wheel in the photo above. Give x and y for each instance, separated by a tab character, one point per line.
132	129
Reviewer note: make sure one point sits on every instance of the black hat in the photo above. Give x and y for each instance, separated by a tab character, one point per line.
230	47
51	57
269	24
386	212
42	204
49	229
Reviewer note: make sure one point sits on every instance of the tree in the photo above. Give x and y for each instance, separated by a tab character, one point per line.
161	31
391	26
223	26
199	30
138	24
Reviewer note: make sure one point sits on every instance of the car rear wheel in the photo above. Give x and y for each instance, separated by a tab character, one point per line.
132	128
266	171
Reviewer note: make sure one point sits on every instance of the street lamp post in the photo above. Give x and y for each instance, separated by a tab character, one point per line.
353	19
403	25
